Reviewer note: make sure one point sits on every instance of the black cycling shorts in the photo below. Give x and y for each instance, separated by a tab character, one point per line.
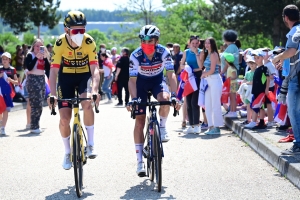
155	86
68	82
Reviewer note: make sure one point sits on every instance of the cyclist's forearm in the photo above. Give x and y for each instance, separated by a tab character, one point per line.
52	79
132	87
95	79
172	81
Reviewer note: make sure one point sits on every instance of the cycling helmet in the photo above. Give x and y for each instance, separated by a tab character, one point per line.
74	18
149	31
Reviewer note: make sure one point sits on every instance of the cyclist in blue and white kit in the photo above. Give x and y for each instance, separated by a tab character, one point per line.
146	74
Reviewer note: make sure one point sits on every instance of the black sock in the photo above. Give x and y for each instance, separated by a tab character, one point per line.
261	122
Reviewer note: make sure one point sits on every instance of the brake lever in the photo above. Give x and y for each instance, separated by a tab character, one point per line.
94	99
133	110
175	113
52	106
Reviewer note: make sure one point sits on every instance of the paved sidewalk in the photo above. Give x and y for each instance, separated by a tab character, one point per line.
265	143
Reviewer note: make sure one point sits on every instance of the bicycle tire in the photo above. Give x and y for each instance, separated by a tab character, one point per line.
77	161
157	157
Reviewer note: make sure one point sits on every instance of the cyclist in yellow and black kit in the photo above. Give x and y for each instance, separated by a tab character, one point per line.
75	64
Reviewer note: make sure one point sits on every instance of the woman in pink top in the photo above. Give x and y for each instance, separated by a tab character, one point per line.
37	61
108	69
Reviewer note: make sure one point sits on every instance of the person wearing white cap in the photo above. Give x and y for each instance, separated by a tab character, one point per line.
12	79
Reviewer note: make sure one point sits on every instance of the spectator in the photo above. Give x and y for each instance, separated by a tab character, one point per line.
192	57
102	48
214	90
37	62
170	47
122	76
108	69
50	50
234	85
242	63
28	108
229	38
19	60
260	86
1	52
177	56
201	44
291	69
114	56
11	79
13	56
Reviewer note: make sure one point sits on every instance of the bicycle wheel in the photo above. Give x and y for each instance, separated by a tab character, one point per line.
156	162
77	161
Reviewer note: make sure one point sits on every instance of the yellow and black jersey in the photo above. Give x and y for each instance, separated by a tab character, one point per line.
74	60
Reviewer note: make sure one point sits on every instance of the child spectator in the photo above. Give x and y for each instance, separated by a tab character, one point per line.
261	82
232	74
12	79
272	72
248	79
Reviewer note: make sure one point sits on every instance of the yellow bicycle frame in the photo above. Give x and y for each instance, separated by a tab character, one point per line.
77	121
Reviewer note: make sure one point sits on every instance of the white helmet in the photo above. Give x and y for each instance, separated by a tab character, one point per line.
149	31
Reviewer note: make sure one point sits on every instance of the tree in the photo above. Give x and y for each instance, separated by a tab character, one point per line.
27	13
252	17
98	36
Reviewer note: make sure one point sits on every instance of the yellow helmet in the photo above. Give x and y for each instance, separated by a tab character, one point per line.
74	18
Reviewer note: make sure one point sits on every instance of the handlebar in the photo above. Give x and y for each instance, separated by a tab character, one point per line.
153	103
72	101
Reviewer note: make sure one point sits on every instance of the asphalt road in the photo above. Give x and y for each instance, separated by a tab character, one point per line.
194	167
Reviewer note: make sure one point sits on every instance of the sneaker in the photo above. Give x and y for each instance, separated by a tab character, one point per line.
197	129
231	115
36	131
295	149
141	172
90	152
245	122
119	104
28	126
3	131
213	131
67	162
243	113
271	124
289	138
164	134
282	128
250	125
109	101
204	126
188	130
260	126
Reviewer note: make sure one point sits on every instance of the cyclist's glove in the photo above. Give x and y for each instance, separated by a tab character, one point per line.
132	101
173	97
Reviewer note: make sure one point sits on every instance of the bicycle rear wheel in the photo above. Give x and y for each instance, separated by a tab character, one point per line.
156	171
77	161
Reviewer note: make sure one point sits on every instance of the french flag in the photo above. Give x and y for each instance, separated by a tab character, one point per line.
180	90
2	103
257	103
280	114
189	81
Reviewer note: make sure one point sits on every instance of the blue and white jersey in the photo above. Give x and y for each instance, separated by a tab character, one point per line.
141	66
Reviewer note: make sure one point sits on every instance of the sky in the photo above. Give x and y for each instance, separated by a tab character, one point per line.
97	4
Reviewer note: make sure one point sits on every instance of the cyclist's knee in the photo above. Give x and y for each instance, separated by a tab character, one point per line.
64	121
163	96
86	105
140	121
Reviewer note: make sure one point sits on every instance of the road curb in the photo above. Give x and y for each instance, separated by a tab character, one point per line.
288	166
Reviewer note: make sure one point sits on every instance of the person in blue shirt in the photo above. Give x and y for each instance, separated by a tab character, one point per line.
229	37
192	57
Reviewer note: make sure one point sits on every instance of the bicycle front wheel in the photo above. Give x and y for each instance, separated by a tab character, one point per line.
157	157
77	160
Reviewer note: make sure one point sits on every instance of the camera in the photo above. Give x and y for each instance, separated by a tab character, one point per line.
278	51
42	49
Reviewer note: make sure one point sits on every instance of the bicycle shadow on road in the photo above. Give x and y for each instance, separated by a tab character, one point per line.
145	189
69	193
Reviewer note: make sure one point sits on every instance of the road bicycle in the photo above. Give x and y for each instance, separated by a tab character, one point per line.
153	148
78	147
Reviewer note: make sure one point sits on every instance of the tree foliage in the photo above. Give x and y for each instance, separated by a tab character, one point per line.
29	13
252	17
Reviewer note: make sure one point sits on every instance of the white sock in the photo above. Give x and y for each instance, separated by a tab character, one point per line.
90	134
163	121
139	152
67	145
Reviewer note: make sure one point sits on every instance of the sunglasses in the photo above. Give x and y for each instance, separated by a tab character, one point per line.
76	31
194	37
